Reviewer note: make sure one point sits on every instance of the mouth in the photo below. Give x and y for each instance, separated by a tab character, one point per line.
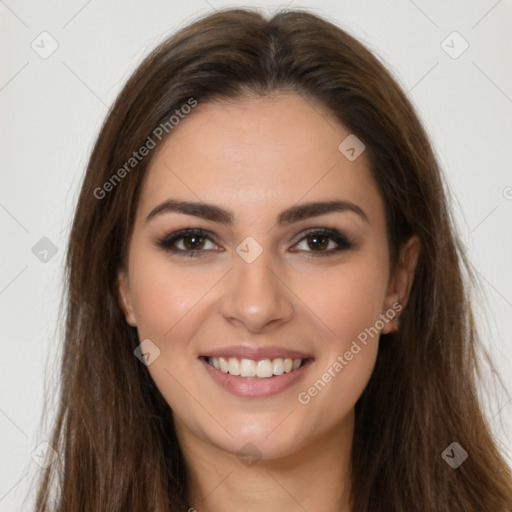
259	377
256	368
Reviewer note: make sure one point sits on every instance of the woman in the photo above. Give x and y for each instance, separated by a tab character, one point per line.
266	306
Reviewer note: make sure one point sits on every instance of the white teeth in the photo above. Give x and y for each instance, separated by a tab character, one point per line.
224	365
263	368
278	366
247	368
234	366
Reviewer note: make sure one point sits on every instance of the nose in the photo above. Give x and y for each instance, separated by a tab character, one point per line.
256	295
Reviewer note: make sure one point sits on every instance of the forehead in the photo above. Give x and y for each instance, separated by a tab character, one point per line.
258	154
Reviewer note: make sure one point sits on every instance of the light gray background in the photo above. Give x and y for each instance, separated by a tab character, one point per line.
52	109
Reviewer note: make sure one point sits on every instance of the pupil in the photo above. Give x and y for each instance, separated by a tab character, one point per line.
195	244
315	238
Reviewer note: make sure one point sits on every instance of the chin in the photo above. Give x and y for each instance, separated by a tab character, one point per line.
269	439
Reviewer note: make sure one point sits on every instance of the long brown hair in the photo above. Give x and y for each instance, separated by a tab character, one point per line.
114	431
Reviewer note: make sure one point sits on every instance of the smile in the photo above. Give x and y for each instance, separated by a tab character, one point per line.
263	368
250	378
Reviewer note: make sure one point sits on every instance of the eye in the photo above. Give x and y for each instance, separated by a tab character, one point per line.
324	242
191	242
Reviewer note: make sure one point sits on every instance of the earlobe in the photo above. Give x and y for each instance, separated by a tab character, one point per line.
392	310
125	297
401	282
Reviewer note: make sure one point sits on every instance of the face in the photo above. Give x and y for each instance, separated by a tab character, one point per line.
263	276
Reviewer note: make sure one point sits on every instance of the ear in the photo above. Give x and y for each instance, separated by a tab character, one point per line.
125	297
400	283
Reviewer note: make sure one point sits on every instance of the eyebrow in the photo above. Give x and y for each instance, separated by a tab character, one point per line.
293	214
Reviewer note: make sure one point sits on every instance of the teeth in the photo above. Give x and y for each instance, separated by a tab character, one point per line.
264	368
224	365
247	368
278	366
234	366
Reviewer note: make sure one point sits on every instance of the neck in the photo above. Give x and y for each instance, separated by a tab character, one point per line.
315	477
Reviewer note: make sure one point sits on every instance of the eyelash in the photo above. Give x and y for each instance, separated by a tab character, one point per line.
167	242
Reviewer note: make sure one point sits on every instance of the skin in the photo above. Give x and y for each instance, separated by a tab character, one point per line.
257	157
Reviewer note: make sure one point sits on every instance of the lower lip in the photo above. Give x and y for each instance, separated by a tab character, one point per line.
255	387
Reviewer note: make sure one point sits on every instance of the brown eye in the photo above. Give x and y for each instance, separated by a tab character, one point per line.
318	241
324	242
187	242
193	242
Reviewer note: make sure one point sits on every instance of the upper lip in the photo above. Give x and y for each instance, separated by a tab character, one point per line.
256	353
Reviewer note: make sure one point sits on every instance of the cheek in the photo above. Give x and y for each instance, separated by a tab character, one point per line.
347	300
164	296
348	303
